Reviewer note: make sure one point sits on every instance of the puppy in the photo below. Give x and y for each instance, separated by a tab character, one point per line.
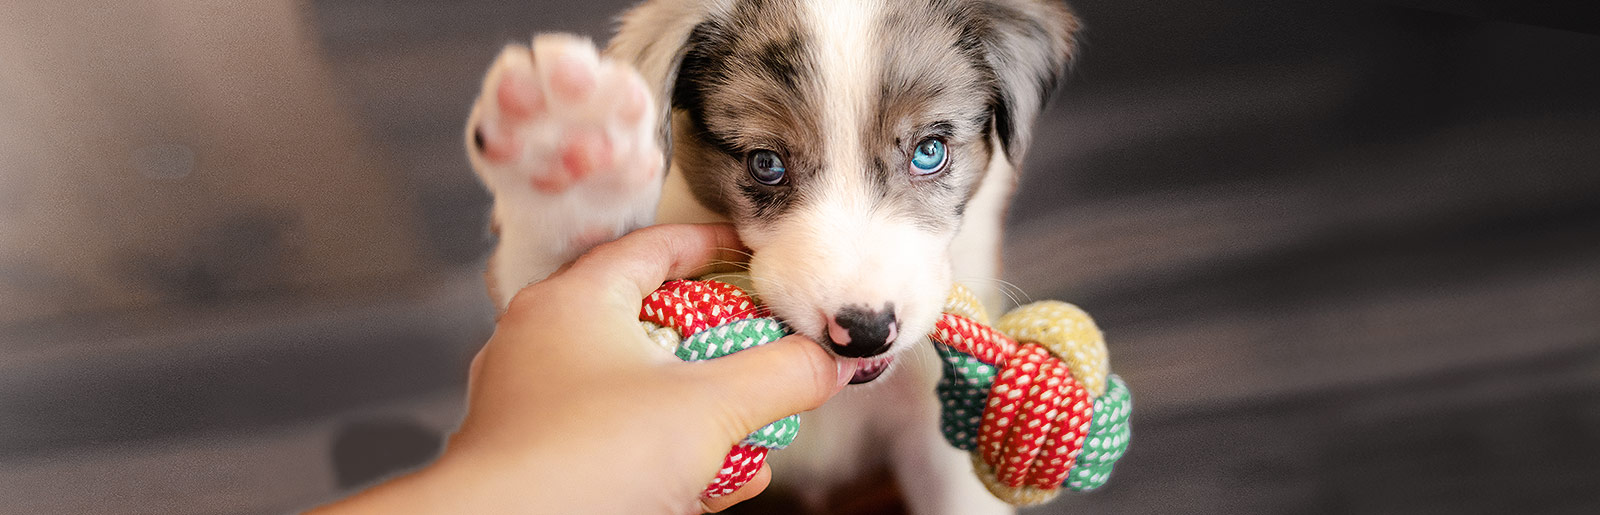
864	149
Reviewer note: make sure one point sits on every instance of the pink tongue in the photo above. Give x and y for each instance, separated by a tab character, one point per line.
867	373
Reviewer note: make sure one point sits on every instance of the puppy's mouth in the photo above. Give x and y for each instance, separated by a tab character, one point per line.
868	370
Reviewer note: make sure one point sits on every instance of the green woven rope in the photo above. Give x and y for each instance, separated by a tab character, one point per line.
964	388
1108	438
733	337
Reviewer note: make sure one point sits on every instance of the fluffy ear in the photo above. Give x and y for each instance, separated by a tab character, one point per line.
1029	44
653	36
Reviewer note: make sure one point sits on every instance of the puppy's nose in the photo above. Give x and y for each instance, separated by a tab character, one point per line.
858	332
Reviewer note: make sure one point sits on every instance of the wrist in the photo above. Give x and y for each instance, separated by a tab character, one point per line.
455	483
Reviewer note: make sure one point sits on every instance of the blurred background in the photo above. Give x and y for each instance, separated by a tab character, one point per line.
1347	254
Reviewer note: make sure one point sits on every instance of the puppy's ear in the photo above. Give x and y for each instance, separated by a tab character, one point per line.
654	36
1029	44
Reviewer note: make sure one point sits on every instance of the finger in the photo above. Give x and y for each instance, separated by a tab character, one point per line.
758	483
760	385
472	370
643	259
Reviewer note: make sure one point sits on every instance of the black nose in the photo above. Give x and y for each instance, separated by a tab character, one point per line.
858	332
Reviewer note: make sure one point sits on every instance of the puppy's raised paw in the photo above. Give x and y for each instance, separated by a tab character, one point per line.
566	142
557	117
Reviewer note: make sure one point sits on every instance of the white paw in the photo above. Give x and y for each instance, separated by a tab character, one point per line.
557	119
566	143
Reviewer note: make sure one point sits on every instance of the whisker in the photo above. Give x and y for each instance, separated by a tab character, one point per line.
737	251
701	269
1009	290
720	277
714	266
1014	287
733	264
929	354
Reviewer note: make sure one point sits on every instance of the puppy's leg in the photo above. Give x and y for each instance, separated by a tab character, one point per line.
566	143
938	478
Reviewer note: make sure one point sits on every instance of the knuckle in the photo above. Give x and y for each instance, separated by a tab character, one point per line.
521	303
531	301
659	233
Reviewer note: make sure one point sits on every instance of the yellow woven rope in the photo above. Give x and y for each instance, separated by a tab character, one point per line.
667	337
1067	332
1017	496
962	302
1062	328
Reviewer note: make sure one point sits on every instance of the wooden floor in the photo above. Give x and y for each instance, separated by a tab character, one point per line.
1347	258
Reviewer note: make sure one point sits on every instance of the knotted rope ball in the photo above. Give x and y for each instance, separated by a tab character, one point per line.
1031	398
700	320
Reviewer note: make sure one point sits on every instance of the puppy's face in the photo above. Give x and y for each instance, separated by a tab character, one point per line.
844	138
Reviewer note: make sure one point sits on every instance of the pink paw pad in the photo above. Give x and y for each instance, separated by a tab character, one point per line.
572	78
583	152
557	116
519	95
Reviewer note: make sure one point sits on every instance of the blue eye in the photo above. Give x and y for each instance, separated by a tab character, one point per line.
929	157
766	167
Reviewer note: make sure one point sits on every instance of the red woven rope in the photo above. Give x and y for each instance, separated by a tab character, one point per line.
1034	400
738	468
694	306
974	339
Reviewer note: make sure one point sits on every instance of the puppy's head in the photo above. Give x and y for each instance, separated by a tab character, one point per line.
845	138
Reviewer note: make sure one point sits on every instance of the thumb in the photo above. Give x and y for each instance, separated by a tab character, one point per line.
775	380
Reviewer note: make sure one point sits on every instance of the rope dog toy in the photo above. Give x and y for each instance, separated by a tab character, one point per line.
1031	398
700	320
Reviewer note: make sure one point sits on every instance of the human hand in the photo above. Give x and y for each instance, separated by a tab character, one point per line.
572	409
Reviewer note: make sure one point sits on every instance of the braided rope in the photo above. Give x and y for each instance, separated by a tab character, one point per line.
700	320
1028	396
1031	398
